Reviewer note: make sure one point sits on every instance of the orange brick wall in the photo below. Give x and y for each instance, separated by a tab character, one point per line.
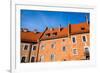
68	55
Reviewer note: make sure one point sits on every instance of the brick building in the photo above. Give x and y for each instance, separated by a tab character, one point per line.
56	44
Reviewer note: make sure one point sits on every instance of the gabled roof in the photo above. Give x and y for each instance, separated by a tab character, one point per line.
79	28
74	29
30	36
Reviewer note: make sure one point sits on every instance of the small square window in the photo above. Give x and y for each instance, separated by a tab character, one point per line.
75	51
47	35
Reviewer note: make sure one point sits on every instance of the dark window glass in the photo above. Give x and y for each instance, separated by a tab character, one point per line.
87	54
73	39
52	45
48	34
84	38
64	48
32	59
23	60
34	48
54	34
52	57
26	46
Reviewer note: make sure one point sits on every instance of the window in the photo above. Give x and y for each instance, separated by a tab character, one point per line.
34	47
47	35
75	51
63	48
53	45
26	47
23	59
73	39
63	40
65	60
82	28
52	57
54	34
87	54
41	58
42	47
84	38
33	59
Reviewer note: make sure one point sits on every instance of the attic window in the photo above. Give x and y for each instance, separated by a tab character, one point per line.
51	29
48	34
54	34
82	28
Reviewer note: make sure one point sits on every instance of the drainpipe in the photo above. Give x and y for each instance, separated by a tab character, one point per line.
30	52
39	44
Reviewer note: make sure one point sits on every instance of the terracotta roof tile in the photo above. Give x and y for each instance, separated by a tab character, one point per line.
75	29
55	32
30	36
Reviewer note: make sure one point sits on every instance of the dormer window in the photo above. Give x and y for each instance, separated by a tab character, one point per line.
48	34
82	28
54	34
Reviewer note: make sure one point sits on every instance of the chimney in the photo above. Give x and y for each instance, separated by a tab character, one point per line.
60	28
24	29
35	31
69	30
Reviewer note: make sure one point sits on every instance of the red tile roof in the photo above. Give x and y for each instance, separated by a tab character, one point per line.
75	29
55	33
30	36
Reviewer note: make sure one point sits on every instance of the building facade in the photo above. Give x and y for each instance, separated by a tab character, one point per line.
57	44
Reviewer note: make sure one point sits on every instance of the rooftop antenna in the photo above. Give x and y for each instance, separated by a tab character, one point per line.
86	18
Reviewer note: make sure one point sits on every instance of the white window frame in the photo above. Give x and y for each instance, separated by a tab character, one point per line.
85	38
65	48
73	51
87	47
42	58
43	47
32	47
75	39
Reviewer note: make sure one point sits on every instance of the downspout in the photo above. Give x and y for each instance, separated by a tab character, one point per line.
30	52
